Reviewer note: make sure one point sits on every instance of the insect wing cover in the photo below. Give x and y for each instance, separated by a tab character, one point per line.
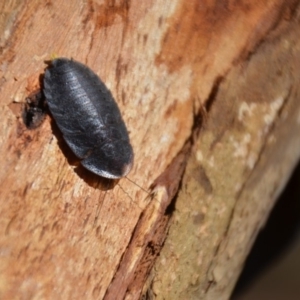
88	117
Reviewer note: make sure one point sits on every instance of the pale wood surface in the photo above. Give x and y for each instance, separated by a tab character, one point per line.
209	92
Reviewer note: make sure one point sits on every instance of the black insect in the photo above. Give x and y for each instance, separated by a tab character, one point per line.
88	118
34	111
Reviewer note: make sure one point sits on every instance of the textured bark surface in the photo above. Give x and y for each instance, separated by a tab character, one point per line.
209	92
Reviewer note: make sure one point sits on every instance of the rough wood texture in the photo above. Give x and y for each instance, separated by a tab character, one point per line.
209	92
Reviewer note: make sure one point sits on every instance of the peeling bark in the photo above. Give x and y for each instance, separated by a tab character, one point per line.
209	92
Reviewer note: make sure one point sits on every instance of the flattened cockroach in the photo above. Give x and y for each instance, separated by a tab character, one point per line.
88	117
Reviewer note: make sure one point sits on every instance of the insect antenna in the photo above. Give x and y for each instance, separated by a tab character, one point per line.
150	193
126	193
106	185
98	209
137	185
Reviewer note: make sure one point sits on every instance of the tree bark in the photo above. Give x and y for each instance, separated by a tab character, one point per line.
209	92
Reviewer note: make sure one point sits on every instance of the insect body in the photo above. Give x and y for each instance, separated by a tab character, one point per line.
88	118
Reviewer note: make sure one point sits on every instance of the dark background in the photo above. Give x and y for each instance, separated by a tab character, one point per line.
272	269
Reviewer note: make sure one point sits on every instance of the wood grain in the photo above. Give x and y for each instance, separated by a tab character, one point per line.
208	91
